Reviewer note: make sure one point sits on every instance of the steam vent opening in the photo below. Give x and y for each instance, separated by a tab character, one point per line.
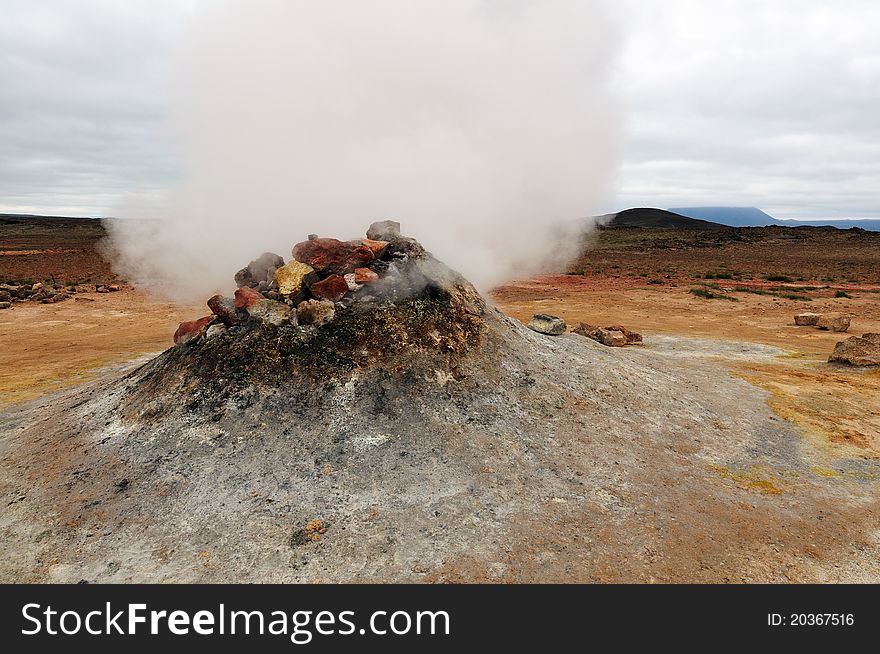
333	311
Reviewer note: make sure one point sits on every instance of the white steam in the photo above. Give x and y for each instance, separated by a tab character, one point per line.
486	128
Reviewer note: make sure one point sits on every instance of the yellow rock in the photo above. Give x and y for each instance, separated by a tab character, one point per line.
290	276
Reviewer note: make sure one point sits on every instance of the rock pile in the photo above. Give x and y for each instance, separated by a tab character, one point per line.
612	336
325	276
855	351
834	322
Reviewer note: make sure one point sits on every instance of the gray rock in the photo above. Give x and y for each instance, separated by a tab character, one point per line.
384	230
217	329
807	318
261	269
271	312
857	351
550	325
835	323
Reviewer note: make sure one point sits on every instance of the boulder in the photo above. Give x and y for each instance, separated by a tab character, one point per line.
384	230
856	351
834	322
365	276
874	338
113	288
245	297
37	286
191	330
807	318
614	338
5	305
261	269
225	309
5	296
331	256
544	324
271	312
333	288
291	277
315	312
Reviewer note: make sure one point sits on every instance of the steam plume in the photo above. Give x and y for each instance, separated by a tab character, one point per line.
484	127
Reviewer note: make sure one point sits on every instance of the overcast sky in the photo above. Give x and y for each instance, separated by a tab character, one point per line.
772	104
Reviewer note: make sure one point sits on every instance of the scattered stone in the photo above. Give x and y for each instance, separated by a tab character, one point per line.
544	324
857	351
834	322
331	256
271	312
384	230
246	297
113	288
191	330
333	288
315	312
37	286
5	296
807	318
225	309
100	288
291	277
350	279
261	269
5	305
365	276
80	298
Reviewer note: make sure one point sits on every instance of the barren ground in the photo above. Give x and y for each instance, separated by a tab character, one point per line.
756	521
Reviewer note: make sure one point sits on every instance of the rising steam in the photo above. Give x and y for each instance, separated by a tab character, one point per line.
484	127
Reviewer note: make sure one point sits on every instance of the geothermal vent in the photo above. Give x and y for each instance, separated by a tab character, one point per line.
337	310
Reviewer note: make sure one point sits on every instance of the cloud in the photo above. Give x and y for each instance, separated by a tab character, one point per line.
747	102
740	102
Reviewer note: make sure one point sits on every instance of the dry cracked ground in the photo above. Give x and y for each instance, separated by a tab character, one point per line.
723	450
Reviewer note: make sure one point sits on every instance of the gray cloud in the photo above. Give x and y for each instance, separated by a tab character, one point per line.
727	102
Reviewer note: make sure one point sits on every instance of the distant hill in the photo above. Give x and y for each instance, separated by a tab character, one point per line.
659	218
754	217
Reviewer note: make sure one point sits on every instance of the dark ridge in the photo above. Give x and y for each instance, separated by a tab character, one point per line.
656	218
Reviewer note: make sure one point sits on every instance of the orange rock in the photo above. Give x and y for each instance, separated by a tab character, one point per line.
377	247
246	297
364	276
192	329
333	288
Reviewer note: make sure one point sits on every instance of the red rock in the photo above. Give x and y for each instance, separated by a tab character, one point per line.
332	288
364	276
224	308
245	297
328	255
376	247
191	330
